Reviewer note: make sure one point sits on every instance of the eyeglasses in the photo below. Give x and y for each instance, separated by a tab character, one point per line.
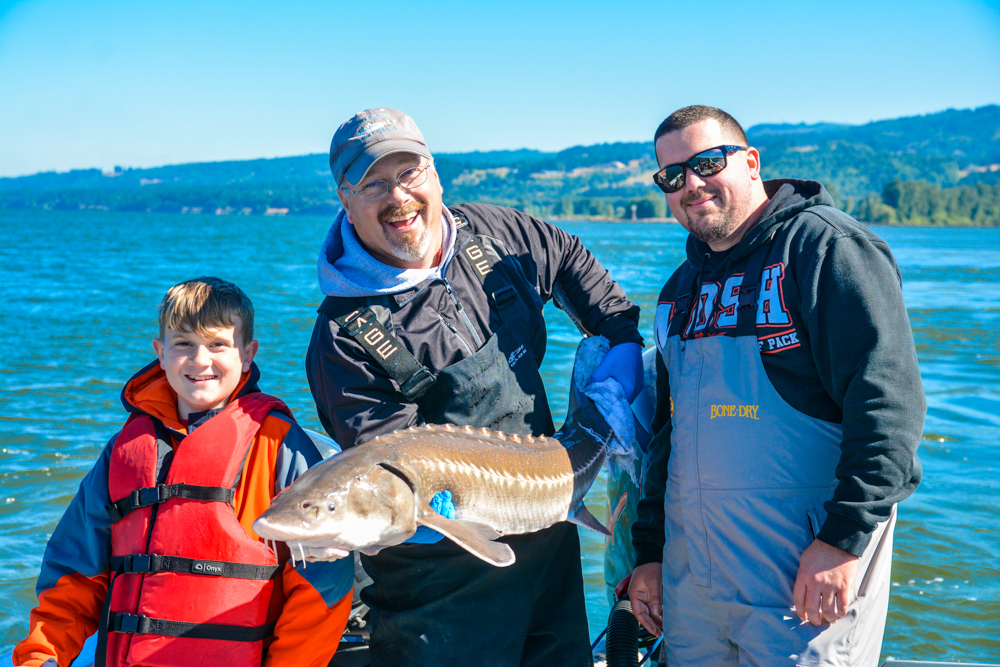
409	179
707	163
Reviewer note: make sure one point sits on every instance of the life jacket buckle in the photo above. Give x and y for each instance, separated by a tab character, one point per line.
131	624
146	496
137	563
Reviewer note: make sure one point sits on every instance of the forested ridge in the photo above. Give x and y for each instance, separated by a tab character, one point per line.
941	168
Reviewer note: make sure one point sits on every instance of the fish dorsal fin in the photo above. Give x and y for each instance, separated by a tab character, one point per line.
581	516
475	538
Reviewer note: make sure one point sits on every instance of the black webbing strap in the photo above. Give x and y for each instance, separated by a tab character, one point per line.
482	257
149	563
746	309
144	625
460	219
683	307
412	377
160	493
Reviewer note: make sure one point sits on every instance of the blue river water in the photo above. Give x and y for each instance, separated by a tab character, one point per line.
78	297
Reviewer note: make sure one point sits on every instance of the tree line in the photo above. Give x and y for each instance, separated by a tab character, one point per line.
900	202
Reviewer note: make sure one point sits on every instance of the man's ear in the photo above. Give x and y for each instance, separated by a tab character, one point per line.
753	163
343	202
158	348
249	352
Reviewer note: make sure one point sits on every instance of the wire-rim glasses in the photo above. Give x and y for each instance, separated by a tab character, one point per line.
409	179
706	163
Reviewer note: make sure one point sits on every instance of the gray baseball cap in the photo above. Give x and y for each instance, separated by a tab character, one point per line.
368	136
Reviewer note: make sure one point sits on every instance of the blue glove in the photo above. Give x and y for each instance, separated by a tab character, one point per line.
623	362
443	505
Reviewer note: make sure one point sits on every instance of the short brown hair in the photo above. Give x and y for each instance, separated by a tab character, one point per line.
206	303
682	118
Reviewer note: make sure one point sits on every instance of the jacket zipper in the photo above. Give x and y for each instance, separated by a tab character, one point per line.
462	314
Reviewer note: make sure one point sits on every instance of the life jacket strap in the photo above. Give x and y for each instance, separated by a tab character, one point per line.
163	492
144	625
150	563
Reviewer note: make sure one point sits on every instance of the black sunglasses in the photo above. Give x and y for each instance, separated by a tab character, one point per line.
706	163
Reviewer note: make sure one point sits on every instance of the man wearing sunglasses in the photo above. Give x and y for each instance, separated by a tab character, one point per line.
789	409
434	315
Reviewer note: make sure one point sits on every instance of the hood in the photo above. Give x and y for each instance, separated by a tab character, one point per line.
149	393
346	269
787	197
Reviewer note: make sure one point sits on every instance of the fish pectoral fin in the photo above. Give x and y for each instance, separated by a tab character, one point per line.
476	538
581	516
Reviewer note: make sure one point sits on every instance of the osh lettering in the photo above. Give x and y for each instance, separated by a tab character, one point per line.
745	411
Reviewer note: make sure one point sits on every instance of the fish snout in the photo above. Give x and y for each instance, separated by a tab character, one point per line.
313	508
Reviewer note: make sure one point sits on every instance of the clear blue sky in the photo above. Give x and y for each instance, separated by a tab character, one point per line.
101	83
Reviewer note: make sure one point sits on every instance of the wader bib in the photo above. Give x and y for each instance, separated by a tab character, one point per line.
436	604
747	479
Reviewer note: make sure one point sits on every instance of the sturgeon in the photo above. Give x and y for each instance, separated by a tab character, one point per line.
375	495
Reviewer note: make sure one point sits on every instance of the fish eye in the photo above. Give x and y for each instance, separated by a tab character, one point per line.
305	505
331	507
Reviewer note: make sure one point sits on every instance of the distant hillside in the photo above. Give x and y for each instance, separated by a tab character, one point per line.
946	149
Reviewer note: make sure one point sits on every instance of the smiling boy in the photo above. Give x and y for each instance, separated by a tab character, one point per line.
156	551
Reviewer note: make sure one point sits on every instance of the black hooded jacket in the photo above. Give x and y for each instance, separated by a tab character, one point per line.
837	346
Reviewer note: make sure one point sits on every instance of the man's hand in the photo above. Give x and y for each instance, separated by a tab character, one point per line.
645	593
443	505
623	362
823	585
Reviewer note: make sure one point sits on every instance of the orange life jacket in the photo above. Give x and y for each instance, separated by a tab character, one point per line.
188	584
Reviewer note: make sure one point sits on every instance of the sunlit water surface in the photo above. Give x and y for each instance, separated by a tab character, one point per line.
78	297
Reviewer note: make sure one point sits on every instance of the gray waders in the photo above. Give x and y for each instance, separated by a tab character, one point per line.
436	604
747	479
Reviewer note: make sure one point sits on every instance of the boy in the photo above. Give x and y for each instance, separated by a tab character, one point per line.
156	550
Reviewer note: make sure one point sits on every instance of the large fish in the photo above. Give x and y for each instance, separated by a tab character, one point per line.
375	495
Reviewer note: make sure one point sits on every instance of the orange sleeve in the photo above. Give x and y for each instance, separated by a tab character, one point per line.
307	632
66	615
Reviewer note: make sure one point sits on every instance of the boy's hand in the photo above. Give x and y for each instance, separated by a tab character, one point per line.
314	554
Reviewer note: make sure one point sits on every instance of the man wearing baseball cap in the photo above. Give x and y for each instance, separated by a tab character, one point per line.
433	314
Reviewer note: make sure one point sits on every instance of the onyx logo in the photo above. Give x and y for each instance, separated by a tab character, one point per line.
207	568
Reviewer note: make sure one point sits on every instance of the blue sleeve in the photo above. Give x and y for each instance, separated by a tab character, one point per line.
81	542
298	453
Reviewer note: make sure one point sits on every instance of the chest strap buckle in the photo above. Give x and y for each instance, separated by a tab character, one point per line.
137	563
503	297
146	496
748	296
418	383
131	623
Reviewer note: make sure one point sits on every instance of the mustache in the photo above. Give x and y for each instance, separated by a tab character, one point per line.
404	210
707	191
